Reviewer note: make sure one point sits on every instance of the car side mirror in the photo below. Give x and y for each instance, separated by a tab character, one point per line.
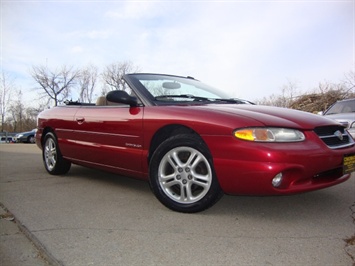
119	96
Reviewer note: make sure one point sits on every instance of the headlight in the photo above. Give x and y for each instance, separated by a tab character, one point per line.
19	136
262	134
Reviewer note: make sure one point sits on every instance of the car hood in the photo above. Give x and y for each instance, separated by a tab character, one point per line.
25	133
342	117
271	116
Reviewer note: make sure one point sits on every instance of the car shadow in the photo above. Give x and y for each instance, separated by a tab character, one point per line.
322	204
81	172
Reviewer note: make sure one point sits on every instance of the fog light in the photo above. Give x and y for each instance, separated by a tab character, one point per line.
276	181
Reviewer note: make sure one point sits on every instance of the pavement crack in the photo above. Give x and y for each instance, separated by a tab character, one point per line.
21	181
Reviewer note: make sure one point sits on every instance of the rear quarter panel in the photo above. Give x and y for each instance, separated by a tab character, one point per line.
59	120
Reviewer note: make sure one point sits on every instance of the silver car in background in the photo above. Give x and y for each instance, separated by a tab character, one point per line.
343	112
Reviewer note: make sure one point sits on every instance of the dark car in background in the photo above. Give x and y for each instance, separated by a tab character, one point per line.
6	139
26	137
344	113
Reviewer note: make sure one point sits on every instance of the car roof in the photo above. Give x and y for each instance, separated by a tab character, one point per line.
345	100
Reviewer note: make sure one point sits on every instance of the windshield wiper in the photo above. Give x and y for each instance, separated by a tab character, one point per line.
232	100
205	99
229	100
184	96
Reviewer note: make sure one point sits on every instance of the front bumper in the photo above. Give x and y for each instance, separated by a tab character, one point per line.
248	168
20	139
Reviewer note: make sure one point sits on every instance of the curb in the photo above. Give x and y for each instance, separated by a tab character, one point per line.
44	254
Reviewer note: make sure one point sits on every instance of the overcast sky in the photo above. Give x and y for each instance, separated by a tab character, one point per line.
248	48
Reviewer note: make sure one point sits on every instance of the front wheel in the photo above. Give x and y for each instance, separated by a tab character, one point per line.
53	160
31	139
182	175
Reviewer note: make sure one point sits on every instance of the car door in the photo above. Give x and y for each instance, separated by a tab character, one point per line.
110	137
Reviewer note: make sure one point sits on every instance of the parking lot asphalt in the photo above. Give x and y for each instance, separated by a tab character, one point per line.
89	217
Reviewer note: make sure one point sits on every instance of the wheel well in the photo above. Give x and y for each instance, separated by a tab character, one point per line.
44	133
165	133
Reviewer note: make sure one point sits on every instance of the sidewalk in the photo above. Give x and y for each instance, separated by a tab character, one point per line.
15	248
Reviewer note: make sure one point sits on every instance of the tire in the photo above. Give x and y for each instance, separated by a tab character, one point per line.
31	139
182	176
53	160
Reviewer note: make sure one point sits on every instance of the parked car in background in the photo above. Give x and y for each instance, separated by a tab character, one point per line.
193	142
26	137
343	112
5	139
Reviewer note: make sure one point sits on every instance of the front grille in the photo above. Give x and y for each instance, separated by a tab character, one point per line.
335	137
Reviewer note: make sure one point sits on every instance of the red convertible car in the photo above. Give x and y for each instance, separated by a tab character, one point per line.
193	142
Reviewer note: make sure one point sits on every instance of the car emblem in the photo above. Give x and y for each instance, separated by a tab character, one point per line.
338	134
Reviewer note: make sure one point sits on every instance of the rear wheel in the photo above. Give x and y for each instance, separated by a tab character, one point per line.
182	175
53	160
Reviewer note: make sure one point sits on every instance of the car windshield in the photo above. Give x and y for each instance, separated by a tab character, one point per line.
342	107
166	88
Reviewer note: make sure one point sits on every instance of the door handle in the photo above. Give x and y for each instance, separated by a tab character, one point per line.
80	120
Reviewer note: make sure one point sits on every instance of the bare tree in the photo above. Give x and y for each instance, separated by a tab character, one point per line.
288	92
349	81
55	85
322	97
87	82
7	87
112	74
17	111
